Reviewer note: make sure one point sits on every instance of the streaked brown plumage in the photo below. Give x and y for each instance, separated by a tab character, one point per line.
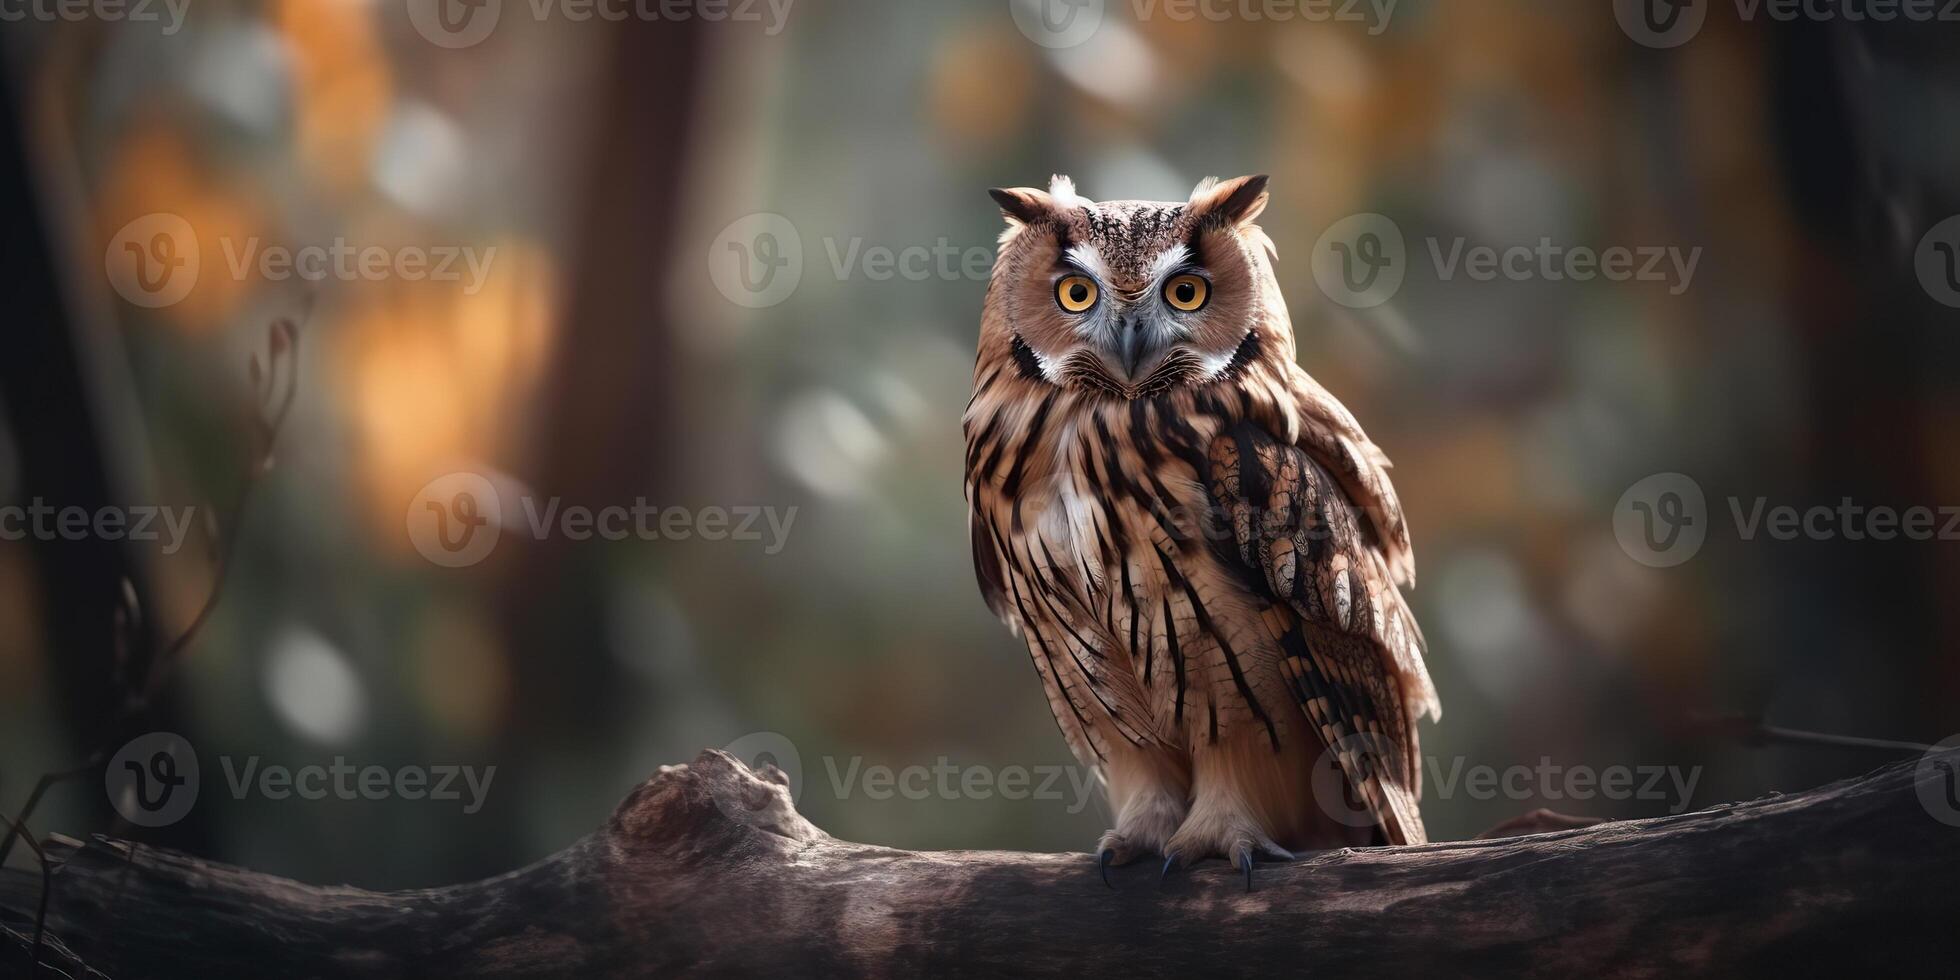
1197	542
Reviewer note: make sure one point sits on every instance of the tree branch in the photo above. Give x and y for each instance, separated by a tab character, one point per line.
708	867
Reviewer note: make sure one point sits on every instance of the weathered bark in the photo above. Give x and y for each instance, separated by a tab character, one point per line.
708	868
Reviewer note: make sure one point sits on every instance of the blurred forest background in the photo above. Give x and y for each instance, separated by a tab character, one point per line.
599	364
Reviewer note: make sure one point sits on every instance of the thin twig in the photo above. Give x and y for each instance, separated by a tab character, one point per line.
1772	733
274	404
18	828
1752	730
284	349
47	886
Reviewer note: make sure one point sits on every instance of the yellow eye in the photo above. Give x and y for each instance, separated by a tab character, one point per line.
1076	293
1187	292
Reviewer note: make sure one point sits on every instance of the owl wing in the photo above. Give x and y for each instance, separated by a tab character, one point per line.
1347	638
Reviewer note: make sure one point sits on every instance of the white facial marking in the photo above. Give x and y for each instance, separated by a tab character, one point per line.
1047	367
1086	256
1211	366
1167	261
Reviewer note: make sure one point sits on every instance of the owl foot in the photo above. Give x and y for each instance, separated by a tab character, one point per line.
1242	854
1150	804
1118	849
1237	841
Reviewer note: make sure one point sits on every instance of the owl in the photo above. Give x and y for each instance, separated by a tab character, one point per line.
1197	542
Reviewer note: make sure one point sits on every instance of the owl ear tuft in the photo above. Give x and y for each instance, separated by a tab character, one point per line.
1229	202
1023	205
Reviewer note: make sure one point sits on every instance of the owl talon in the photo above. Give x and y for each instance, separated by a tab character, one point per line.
1107	854
1245	859
1170	861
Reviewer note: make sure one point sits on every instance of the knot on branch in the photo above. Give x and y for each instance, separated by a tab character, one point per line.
711	797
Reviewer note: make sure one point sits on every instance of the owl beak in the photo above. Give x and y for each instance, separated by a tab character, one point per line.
1137	348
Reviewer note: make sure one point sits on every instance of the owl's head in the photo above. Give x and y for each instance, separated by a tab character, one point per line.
1134	298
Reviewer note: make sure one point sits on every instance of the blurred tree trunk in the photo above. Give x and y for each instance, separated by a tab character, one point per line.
1854	104
57	425
604	436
